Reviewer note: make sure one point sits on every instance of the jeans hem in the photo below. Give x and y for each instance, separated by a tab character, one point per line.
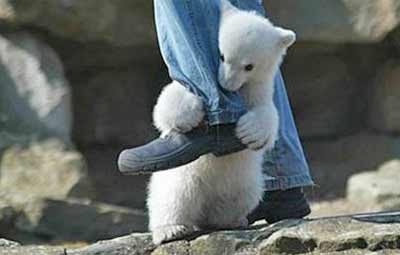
226	117
284	183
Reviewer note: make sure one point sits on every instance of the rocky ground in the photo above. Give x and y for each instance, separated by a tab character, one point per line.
352	235
348	234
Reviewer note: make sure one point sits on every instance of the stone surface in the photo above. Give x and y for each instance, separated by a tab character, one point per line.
384	103
34	94
324	93
8	214
43	169
109	184
119	22
376	234
379	187
332	235
92	56
33	250
114	107
114	111
326	236
340	206
78	220
332	162
4	243
357	21
131	23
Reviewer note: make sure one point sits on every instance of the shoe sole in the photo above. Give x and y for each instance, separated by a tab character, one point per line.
185	156
126	166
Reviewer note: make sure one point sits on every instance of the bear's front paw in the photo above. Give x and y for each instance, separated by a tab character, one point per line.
256	132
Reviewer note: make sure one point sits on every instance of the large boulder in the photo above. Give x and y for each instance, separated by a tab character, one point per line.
324	93
8	215
357	21
384	103
34	94
379	187
114	107
114	111
110	185
124	22
333	161
43	170
78	220
4	243
118	22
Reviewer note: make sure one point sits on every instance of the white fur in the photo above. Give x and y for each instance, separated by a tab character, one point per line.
177	109
219	192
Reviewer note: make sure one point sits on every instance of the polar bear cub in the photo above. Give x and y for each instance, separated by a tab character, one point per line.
219	192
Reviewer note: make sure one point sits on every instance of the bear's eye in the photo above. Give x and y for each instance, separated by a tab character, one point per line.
249	67
222	57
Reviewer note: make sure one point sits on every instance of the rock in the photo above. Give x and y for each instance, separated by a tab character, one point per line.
114	107
394	40
86	221
333	236
384	103
374	234
340	206
118	22
131	23
34	94
324	93
8	214
333	161
379	187
357	21
81	57
36	250
372	19
4	243
109	184
44	169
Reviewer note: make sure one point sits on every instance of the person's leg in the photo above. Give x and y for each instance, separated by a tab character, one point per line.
285	168
187	32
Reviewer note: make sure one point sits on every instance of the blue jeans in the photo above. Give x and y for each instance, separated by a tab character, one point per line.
187	32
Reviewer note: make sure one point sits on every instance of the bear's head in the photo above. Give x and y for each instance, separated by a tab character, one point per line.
251	47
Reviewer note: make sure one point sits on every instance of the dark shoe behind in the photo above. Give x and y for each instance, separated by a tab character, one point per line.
281	205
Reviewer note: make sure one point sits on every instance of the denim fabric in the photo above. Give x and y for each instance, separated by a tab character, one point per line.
285	166
187	31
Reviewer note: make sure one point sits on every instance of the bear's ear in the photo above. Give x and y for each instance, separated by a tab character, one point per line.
287	37
227	8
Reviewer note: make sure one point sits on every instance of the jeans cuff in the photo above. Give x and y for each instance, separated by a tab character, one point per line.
288	182
224	117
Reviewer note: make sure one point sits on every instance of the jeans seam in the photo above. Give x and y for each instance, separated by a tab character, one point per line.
288	182
195	32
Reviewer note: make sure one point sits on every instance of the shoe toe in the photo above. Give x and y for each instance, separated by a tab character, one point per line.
128	161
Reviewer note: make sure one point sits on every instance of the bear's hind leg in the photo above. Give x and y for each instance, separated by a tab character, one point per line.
177	109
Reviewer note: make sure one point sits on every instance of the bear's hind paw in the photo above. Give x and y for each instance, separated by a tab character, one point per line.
172	232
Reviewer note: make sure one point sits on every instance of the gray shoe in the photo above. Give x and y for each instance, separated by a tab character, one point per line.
178	149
